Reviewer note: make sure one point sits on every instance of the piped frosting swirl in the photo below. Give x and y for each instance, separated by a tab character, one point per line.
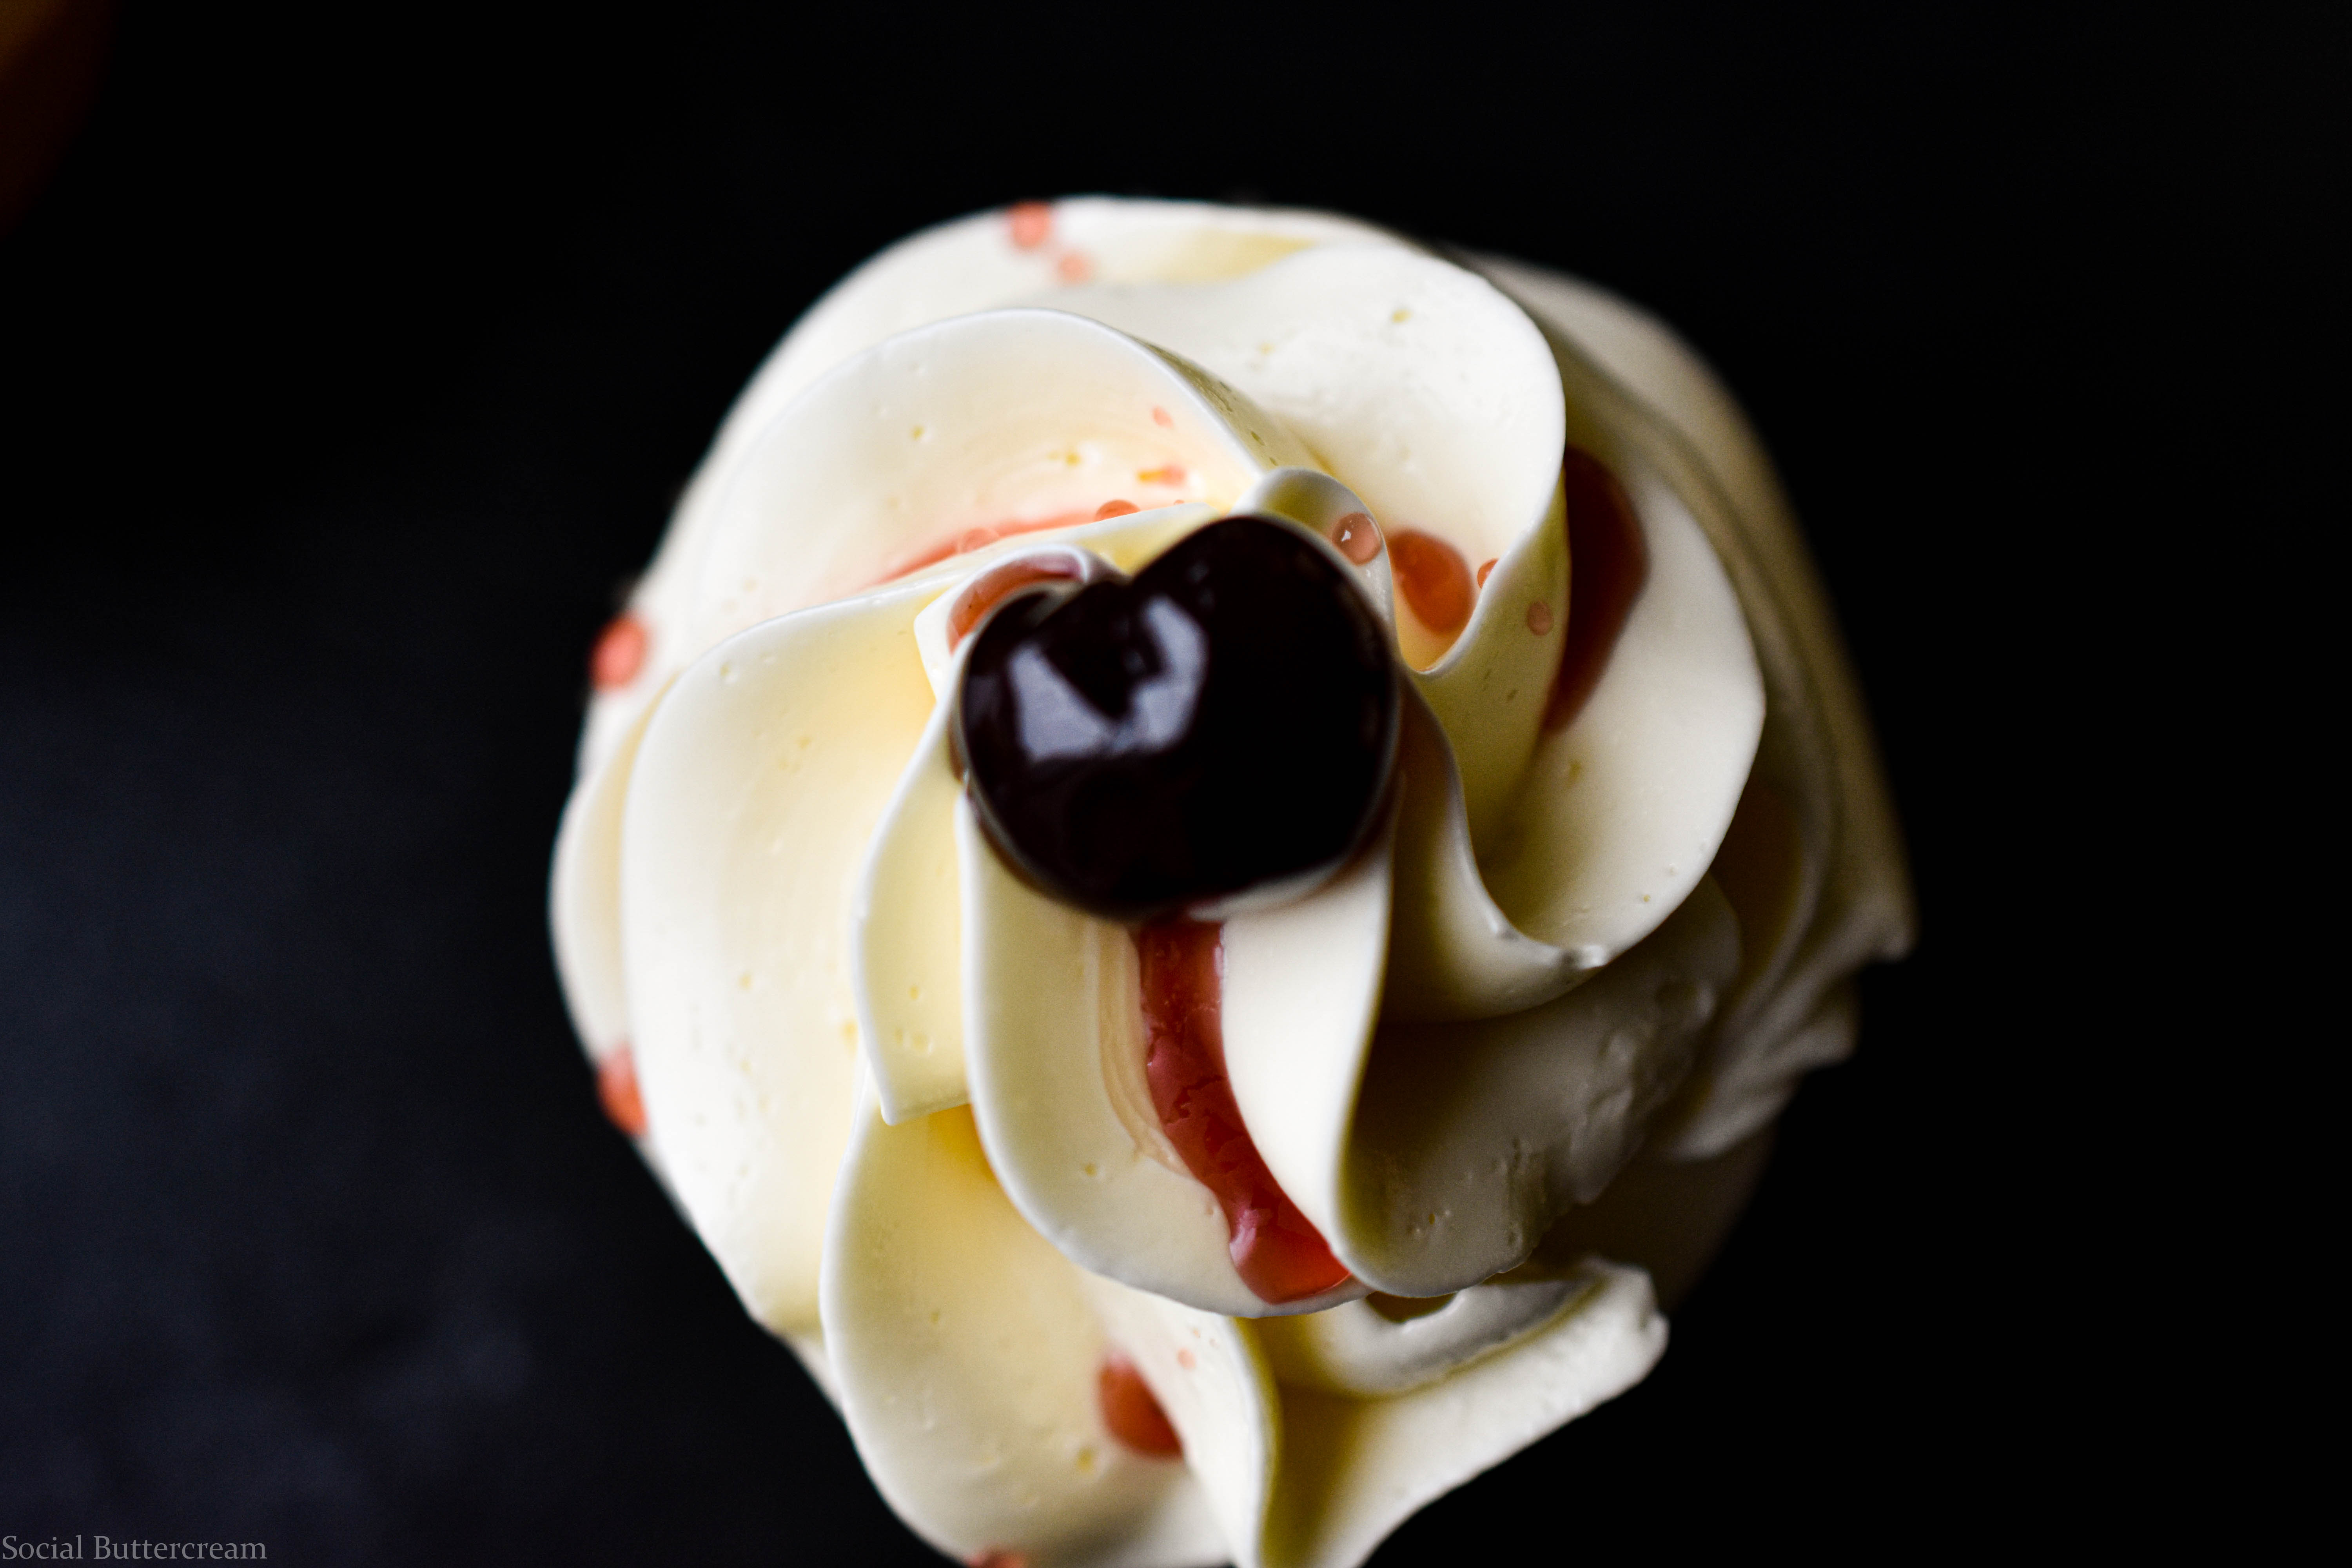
1606	918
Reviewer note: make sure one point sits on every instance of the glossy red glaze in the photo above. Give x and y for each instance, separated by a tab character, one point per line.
1608	562
616	1089
620	652
1279	1255
1433	578
1132	1412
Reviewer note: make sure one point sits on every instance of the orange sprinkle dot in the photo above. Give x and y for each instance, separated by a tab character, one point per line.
620	652
1161	417
1074	267
1033	224
1132	1411
616	1088
1435	578
1170	473
1489	567
996	1557
1358	536
1540	618
1115	508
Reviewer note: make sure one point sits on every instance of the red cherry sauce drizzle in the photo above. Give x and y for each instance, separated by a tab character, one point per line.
1032	224
991	588
1608	563
620	652
985	534
1433	578
1357	535
616	1090
1279	1255
1131	1412
979	537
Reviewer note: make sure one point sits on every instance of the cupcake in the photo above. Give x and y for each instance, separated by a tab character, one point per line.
1203	860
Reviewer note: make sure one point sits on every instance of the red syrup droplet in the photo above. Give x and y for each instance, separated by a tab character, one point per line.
616	1089
1489	567
1032	224
1608	563
991	588
1115	508
1434	579
1279	1255
1358	536
620	652
1132	1412
965	541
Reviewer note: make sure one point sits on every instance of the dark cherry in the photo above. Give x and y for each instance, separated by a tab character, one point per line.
1224	721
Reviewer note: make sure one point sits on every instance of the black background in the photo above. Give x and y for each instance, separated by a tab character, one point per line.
347	369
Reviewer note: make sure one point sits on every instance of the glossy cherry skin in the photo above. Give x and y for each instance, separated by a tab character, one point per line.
1222	723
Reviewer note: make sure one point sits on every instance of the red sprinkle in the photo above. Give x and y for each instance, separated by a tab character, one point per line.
1114	509
1608	563
1165	474
1033	224
1160	417
1540	618
1278	1253
616	1087
988	590
1132	1412
620	652
1435	578
1489	567
1357	537
1074	267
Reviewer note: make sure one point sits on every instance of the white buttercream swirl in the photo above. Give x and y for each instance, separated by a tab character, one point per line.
1520	1049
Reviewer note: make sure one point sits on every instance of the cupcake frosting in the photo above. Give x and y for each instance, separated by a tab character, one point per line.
1484	1077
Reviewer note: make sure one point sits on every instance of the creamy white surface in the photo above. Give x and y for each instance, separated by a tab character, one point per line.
1471	1028
966	1348
758	781
1641	390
